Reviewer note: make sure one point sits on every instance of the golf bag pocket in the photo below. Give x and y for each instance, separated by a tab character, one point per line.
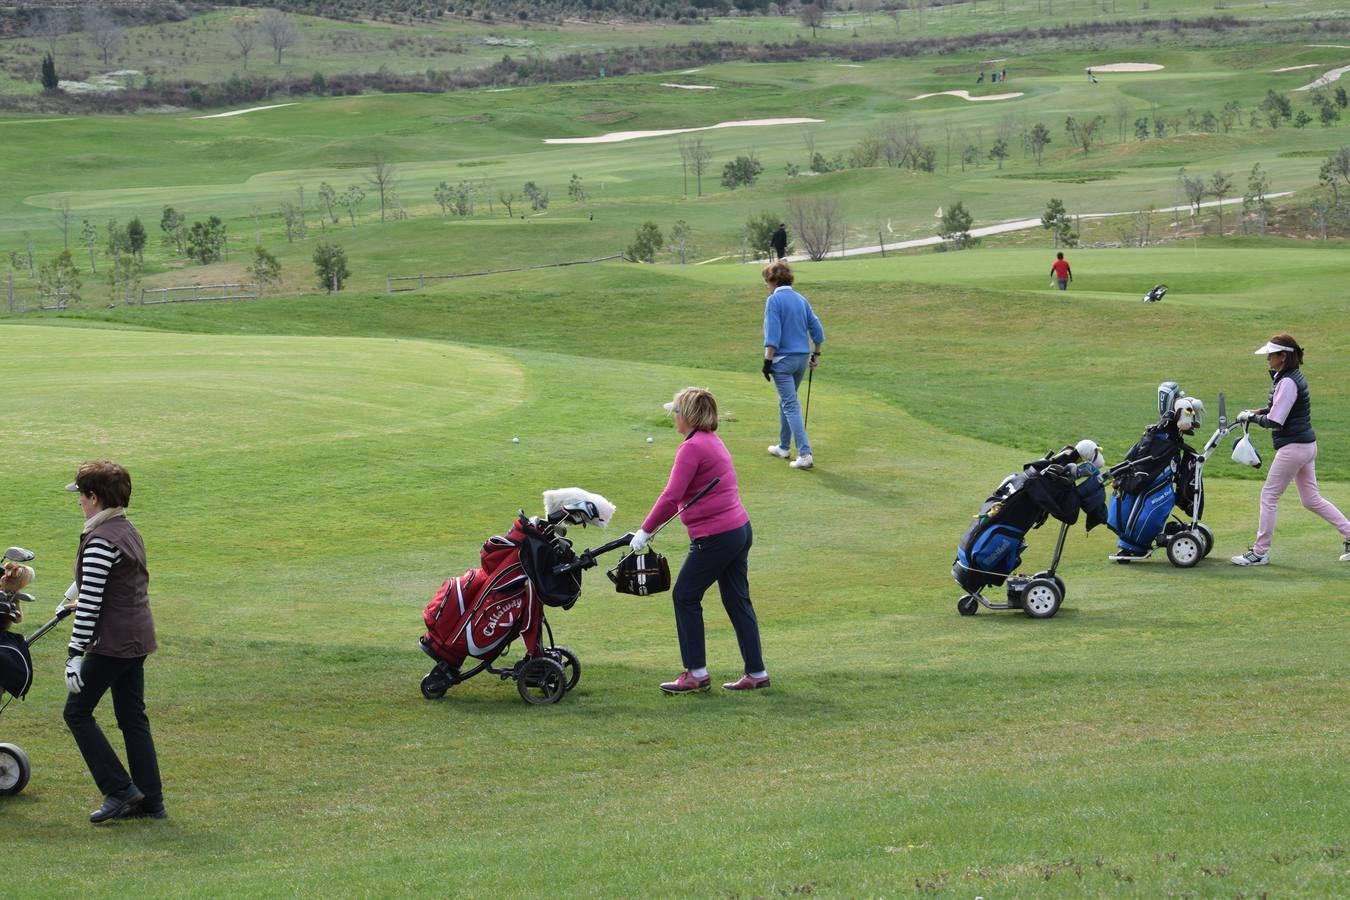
987	554
16	666
1138	519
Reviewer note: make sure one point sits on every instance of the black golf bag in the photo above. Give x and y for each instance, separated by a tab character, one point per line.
991	549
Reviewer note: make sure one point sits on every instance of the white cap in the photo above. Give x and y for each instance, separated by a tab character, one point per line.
1272	347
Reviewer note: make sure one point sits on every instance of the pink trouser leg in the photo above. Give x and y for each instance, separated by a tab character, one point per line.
1296	463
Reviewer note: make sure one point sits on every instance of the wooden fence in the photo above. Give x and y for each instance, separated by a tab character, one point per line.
196	292
390	281
19	300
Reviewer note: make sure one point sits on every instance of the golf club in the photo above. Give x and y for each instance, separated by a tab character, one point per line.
806	415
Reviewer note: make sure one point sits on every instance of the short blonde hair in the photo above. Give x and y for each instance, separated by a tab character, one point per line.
777	272
698	406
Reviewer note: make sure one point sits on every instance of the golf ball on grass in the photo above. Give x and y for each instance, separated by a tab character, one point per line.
649	440
515	440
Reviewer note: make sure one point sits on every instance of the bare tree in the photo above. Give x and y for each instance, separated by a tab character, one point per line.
1083	132
1195	191
508	198
683	147
1122	117
49	28
699	157
1220	186
103	31
383	176
246	37
328	196
279	31
818	223
811	16
1254	202
64	212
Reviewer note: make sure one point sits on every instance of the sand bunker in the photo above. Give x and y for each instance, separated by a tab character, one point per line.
1126	67
965	95
691	87
848	65
1296	68
615	137
1326	79
240	112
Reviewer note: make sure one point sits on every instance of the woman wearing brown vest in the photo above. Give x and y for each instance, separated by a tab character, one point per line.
112	635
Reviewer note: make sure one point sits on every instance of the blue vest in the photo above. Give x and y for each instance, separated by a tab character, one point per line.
1297	428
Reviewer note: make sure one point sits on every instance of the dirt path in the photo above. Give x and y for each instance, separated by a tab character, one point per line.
240	112
965	95
615	137
1006	227
1326	79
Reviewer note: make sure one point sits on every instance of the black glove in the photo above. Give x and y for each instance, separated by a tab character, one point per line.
768	367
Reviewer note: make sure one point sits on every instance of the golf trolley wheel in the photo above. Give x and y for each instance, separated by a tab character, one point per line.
967	605
541	680
434	685
1186	549
1207	536
571	665
1041	598
1057	580
14	770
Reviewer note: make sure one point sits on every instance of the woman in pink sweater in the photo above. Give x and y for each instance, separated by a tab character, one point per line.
719	545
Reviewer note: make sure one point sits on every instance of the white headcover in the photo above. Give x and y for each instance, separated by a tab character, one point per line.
1089	452
557	499
1190	412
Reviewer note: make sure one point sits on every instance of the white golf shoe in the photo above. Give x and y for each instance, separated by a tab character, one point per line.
1252	558
1345	557
803	462
775	450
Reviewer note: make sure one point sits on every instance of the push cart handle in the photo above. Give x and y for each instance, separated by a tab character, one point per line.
586	558
61	613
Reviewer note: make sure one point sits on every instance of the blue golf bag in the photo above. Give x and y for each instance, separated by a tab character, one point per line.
991	548
1157	474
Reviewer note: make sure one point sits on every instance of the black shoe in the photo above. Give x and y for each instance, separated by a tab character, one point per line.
147	810
117	806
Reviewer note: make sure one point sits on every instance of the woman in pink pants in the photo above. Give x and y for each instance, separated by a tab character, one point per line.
1289	416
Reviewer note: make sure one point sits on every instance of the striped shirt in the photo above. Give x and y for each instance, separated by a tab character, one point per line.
97	561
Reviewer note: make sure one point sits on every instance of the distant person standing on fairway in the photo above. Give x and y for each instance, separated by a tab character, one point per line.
779	241
792	339
1060	271
1289	416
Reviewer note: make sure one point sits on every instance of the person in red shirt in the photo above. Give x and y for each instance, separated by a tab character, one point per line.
1060	271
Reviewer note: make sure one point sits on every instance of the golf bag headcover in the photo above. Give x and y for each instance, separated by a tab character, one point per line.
641	574
577	506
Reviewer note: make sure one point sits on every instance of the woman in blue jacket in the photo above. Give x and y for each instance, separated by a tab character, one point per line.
792	339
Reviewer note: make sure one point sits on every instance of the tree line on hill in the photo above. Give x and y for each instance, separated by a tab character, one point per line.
516	71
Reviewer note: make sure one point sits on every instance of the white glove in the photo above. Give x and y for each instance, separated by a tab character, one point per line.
1246	415
639	541
74	680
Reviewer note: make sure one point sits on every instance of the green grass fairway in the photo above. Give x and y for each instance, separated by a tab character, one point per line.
303	490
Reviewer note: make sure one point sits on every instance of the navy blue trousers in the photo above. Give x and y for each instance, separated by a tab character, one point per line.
723	559
125	678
